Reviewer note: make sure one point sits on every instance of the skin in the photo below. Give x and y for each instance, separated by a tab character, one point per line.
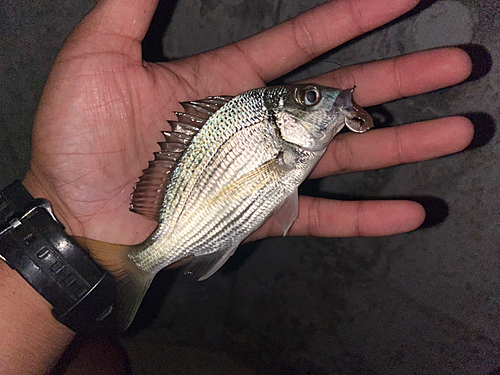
103	108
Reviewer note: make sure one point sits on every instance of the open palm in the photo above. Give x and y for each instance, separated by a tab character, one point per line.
103	109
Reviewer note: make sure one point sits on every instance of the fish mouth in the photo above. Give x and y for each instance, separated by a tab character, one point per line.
356	118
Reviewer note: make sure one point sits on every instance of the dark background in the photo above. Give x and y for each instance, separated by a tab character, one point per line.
426	302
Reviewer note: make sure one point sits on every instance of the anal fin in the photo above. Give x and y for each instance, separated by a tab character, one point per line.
204	266
288	212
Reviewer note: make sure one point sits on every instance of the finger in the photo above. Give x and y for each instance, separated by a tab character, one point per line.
289	45
331	218
386	147
114	25
402	76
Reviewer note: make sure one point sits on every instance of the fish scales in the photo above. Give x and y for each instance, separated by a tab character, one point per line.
193	186
193	166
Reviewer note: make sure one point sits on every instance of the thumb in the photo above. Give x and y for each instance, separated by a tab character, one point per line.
113	26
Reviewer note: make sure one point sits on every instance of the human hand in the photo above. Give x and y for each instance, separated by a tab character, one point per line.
103	108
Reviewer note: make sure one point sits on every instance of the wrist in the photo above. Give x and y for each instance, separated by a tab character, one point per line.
38	187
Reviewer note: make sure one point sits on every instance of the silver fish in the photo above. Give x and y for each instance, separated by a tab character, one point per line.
228	164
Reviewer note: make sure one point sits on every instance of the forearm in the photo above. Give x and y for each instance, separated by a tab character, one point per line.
31	339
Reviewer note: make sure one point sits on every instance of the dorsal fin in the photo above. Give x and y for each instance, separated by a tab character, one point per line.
148	194
182	127
206	107
189	119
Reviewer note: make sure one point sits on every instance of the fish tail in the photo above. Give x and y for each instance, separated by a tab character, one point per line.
131	282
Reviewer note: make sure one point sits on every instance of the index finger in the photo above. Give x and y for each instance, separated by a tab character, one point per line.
289	45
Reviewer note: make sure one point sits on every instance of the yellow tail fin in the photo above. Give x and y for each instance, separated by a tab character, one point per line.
131	282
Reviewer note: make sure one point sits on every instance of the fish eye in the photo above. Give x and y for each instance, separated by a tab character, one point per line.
307	96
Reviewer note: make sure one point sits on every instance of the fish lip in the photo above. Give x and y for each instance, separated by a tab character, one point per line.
355	117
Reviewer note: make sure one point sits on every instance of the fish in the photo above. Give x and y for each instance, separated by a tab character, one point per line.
227	165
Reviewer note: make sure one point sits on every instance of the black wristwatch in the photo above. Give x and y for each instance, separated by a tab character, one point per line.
35	244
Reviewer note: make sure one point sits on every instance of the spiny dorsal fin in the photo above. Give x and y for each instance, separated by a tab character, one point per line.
148	194
181	127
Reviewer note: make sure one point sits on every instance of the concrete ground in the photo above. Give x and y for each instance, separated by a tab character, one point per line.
426	302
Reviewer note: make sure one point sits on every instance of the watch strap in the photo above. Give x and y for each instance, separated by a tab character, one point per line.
35	244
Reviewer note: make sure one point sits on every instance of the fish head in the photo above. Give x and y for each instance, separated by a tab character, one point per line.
309	115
